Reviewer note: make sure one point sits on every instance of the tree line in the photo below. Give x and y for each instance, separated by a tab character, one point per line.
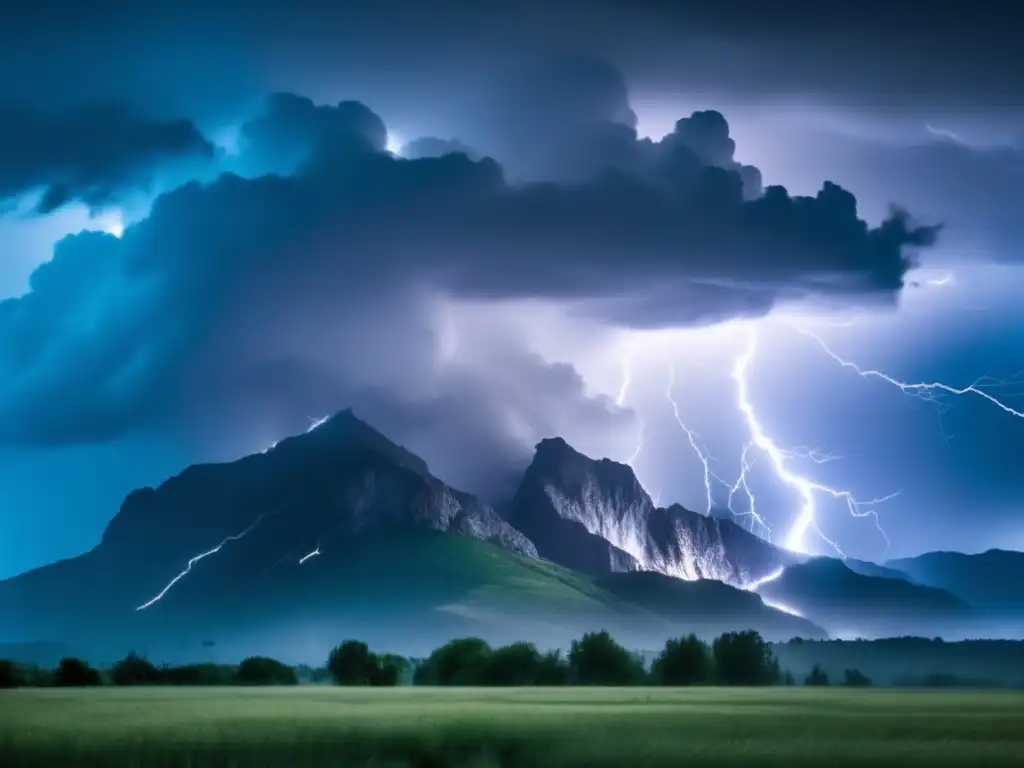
734	658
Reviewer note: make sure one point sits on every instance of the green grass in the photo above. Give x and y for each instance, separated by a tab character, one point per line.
325	726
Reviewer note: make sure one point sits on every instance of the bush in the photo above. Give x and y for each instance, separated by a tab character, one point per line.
460	662
11	675
854	678
135	670
75	673
817	677
260	670
686	661
744	658
596	659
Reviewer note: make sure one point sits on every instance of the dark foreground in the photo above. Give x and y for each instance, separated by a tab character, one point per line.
329	726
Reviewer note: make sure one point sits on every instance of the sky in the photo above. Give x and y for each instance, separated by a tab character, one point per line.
483	224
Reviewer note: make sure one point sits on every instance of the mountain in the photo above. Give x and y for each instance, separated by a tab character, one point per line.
867	568
992	581
848	603
593	515
340	533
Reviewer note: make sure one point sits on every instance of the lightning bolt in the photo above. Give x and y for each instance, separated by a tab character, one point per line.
741	484
943	133
691	437
196	559
808	490
620	399
306	557
930	391
775	575
756	584
315	423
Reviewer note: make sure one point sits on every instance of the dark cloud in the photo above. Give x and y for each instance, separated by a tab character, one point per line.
308	289
432	146
977	191
293	129
89	154
561	120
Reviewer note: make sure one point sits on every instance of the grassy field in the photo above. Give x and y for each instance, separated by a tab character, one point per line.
325	726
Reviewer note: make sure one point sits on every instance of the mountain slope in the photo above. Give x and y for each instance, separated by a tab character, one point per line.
992	581
847	603
309	492
867	568
566	499
705	606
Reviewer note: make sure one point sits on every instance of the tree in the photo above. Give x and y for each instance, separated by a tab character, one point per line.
817	677
460	662
596	659
261	670
391	670
11	675
787	678
75	673
516	664
744	658
200	674
135	670
553	669
352	663
854	678
683	661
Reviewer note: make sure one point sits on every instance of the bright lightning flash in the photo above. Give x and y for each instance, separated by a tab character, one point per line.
111	222
627	380
196	559
393	144
773	576
808	490
306	557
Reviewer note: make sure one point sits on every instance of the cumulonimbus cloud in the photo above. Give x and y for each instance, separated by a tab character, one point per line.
324	269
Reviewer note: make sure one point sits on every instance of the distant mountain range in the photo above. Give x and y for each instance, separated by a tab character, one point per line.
341	533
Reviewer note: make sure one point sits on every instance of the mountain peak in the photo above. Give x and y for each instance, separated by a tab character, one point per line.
344	431
555	458
338	478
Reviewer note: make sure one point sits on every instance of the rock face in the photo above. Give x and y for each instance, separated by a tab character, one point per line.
569	504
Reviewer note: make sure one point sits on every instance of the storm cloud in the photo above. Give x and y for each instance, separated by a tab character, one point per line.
89	154
321	281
